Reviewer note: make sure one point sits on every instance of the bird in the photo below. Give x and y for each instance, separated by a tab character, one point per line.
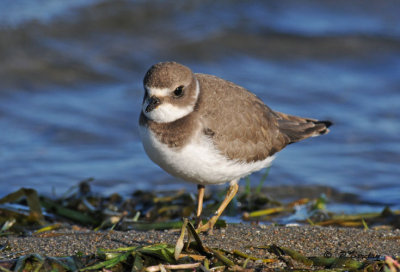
207	130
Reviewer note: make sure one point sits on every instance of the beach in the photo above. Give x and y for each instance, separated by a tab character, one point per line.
253	240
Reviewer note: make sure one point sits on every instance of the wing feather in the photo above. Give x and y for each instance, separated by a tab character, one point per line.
245	129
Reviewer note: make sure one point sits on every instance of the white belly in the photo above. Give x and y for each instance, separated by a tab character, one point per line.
199	161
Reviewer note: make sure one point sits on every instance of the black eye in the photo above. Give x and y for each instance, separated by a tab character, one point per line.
178	91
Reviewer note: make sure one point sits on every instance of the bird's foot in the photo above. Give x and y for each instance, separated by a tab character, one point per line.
207	227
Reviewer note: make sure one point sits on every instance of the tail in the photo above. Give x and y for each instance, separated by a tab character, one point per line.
297	128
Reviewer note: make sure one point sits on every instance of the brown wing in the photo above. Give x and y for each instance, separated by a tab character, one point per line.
243	127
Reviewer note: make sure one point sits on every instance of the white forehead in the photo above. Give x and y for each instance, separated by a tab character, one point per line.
159	92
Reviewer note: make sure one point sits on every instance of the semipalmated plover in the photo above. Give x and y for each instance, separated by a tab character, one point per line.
207	130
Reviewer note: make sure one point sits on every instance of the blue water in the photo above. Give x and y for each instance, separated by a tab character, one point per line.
71	87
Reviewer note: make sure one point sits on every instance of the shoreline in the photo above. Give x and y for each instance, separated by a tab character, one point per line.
309	241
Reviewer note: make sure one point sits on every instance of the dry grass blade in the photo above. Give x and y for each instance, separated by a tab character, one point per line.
222	258
365	224
340	222
196	237
245	256
268	211
179	243
218	268
193	256
48	228
169	198
172	267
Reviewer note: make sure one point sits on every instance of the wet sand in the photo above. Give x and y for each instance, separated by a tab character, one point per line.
308	240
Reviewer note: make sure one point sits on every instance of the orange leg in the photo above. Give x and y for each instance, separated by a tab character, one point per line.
200	196
233	188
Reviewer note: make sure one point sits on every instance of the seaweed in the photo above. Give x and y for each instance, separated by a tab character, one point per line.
25	212
194	255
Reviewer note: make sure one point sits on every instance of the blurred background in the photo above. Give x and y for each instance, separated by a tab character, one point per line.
71	87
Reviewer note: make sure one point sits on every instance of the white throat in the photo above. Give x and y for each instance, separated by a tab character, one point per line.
167	112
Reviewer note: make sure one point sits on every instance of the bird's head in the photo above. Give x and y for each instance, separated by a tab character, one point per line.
170	92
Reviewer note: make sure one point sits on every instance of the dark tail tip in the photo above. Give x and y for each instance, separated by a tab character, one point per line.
326	123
